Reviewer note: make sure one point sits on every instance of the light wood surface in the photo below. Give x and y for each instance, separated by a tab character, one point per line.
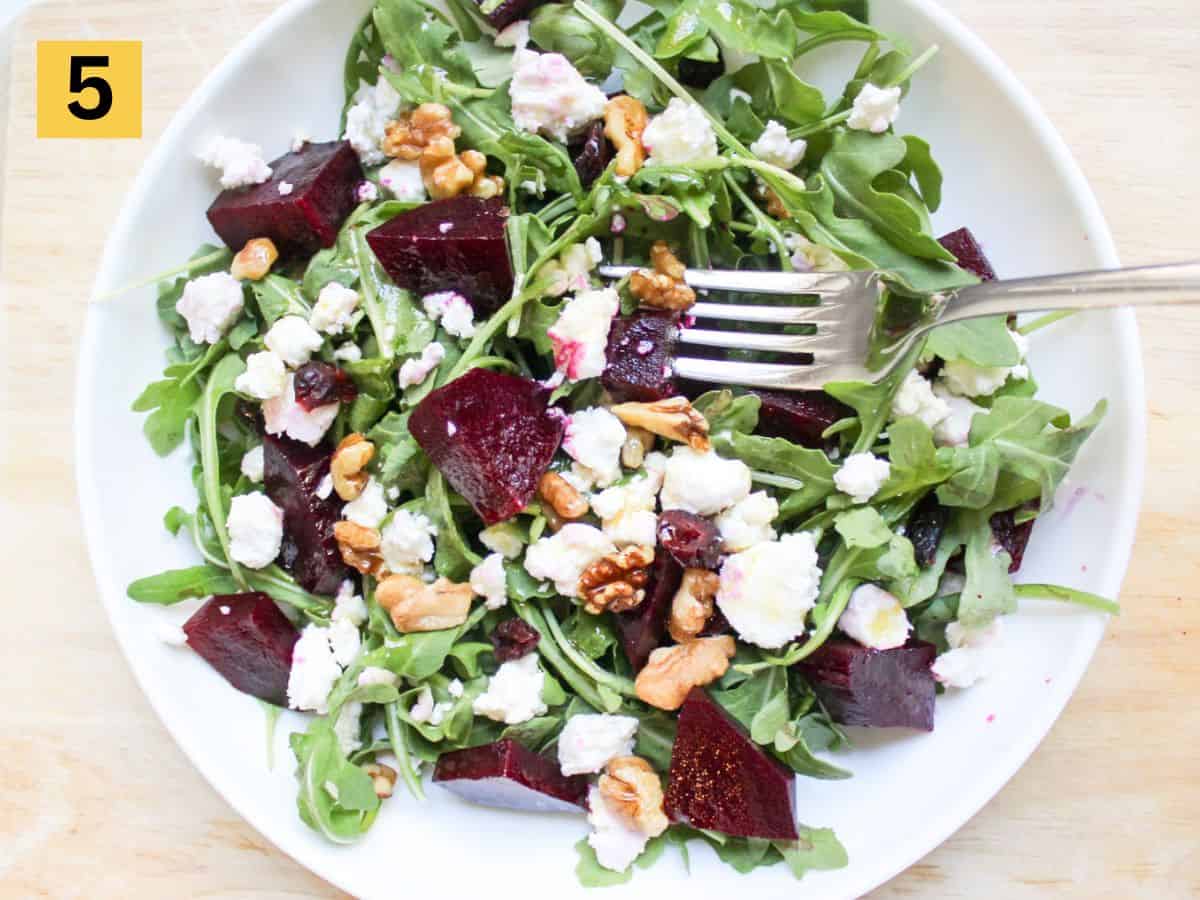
96	801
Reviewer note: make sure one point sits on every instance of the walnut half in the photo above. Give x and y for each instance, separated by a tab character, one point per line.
359	547
561	496
348	467
625	118
664	287
673	671
417	606
633	789
673	418
692	605
617	582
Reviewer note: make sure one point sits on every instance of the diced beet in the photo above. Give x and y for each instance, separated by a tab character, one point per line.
699	73
721	780
513	638
876	688
248	640
591	153
926	526
969	254
292	475
645	628
1012	537
693	540
308	217
511	776
504	13
492	436
319	384
799	416
456	244
641	355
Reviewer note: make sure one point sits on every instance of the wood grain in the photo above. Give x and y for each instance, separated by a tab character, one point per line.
96	801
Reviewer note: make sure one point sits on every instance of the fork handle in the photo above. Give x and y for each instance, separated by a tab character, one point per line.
1144	286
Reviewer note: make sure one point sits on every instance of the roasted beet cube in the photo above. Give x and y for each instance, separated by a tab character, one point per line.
322	178
591	153
319	384
511	776
513	638
248	640
721	780
492	436
926	526
641	356
968	253
876	688
1012	537
455	244
799	416
502	13
292	474
645	628
693	540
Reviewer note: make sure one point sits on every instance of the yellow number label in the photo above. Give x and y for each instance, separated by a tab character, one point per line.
89	89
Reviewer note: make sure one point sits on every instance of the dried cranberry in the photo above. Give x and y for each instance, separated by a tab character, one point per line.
925	529
693	540
319	384
1012	537
513	638
591	153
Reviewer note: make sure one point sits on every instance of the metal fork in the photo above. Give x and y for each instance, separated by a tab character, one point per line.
842	346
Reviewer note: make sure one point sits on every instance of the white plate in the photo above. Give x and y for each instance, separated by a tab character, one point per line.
1009	177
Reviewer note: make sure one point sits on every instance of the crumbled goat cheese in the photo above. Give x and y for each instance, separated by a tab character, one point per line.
916	399
255	527
344	641
241	164
810	257
680	135
580	336
587	742
171	635
627	511
955	429
489	581
703	483
348	726
283	415
875	618
265	376
966	379
415	371
422	709
367	119
325	486
209	305
875	109
455	688
593	439
775	147
514	693
613	838
504	538
972	654
767	591
402	179
375	675
571	271
348	353
452	310
285	188
563	556
299	139
366	192
550	96
515	35
407	541
314	671
293	339
349	605
748	522
861	476
334	309
252	463
369	508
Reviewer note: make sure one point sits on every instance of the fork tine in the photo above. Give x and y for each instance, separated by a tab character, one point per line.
783	315
823	283
763	375
748	340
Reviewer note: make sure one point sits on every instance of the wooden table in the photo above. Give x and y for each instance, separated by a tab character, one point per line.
96	801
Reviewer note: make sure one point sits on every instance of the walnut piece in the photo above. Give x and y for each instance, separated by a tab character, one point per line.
254	260
447	174
638	442
673	418
408	136
673	671
383	779
348	467
625	118
561	496
417	606
633	789
360	547
664	287
617	582
692	605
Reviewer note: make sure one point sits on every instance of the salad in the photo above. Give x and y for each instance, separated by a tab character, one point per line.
453	500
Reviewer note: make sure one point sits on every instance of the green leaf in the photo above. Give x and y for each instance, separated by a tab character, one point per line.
817	848
323	772
1068	595
591	635
278	297
743	26
779	456
591	874
655	737
557	28
915	462
988	590
168	588
984	342
725	412
863	527
220	382
536	734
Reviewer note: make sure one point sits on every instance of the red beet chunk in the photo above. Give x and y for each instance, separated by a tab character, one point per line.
323	178
1012	537
720	780
512	639
504	13
511	776
693	540
492	436
968	253
248	640
799	416
645	628
319	384
876	688
292	473
640	356
455	244
926	526
591	153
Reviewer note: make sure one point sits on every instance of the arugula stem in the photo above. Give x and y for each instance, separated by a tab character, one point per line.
623	686
549	650
370	297
188	267
219	383
1068	595
1047	319
398	737
913	67
803	131
785	482
764	222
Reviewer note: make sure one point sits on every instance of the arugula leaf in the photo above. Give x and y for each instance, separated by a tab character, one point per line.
915	462
170	587
725	412
984	342
988	591
1068	595
777	92
863	527
557	28
919	163
779	456
744	26
278	297
817	848
220	382
336	798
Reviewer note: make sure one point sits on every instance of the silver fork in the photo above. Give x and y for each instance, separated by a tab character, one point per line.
844	317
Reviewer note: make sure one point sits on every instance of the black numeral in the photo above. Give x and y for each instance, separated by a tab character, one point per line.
79	84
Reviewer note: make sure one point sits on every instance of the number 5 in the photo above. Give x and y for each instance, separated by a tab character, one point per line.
104	97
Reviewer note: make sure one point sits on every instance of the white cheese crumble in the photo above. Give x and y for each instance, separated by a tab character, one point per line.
875	618
916	399
255	527
680	135
563	556
325	486
265	376
344	641
580	336
810	257
861	476
314	671
767	591
571	271
293	339
285	188
955	429
453	311
593	439
703	483
209	305
515	35
748	522
252	463
349	605
489	581
402	179
171	635
971	656
369	508
503	538
376	675
416	370
775	147
283	415
407	541
550	96
366	192
241	164
455	688
334	309
627	511
348	353
367	119
514	693
587	742
875	109
348	726
422	708
966	379
616	842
